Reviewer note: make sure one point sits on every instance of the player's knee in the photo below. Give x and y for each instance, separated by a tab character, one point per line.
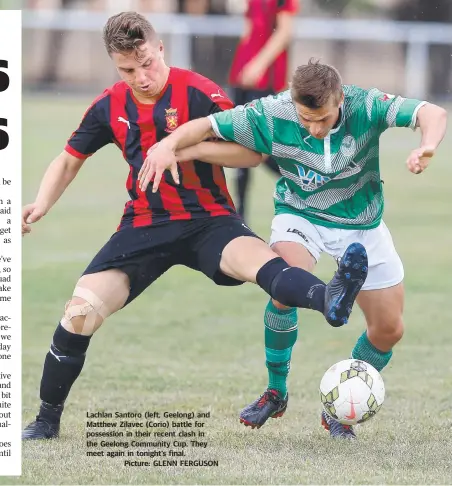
84	313
390	331
396	331
281	282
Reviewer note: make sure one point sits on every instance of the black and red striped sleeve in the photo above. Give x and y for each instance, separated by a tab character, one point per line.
205	97
94	131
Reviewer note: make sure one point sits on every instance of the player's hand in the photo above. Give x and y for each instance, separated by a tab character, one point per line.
251	73
419	159
31	213
159	158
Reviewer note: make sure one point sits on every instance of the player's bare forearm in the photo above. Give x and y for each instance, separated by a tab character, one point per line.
226	154
188	134
278	42
432	120
56	179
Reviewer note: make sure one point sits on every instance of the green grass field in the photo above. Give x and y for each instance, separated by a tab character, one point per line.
186	344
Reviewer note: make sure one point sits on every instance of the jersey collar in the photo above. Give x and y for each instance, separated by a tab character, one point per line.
340	121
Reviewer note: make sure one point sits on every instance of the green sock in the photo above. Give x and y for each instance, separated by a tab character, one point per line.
366	351
281	330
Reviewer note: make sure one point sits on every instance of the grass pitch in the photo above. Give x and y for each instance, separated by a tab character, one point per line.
187	345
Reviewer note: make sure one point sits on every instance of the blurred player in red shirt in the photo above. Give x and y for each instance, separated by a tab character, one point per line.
260	64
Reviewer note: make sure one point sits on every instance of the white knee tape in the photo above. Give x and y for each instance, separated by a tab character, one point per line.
92	307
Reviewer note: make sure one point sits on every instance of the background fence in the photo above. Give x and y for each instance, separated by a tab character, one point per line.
363	39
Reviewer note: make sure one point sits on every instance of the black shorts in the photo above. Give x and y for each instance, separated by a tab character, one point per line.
146	253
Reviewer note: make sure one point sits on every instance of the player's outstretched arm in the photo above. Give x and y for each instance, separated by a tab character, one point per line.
432	120
225	154
56	179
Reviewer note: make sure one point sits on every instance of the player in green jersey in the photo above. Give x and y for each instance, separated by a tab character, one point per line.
325	138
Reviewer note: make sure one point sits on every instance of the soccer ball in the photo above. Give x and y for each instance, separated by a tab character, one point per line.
352	391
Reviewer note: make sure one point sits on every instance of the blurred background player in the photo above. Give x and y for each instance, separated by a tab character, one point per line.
260	65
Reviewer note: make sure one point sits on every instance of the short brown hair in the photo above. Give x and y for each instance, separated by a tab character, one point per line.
314	83
126	32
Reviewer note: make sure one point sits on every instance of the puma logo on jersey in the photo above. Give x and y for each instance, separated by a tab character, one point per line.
123	120
217	95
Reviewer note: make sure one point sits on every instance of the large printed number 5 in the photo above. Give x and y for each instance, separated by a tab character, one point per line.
4	83
4	78
4	137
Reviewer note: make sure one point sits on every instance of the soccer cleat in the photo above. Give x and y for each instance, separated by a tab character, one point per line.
336	429
267	405
41	429
47	423
341	291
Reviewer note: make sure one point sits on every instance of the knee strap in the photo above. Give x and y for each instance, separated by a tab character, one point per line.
92	307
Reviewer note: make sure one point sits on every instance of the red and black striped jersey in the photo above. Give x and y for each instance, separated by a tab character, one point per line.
118	117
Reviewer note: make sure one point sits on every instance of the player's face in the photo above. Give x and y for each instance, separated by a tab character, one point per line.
146	73
318	122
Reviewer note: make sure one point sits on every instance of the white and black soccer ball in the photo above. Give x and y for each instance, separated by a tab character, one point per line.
352	391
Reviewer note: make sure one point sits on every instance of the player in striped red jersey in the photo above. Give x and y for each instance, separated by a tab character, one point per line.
121	116
190	221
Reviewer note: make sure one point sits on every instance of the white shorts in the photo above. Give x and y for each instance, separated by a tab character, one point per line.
385	266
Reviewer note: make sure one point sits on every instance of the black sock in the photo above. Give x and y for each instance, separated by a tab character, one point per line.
243	176
291	286
49	413
62	366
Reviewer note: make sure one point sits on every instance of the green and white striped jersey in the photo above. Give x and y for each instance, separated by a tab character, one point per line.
333	182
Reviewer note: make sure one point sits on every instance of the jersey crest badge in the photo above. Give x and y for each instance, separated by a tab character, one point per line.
348	146
172	120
